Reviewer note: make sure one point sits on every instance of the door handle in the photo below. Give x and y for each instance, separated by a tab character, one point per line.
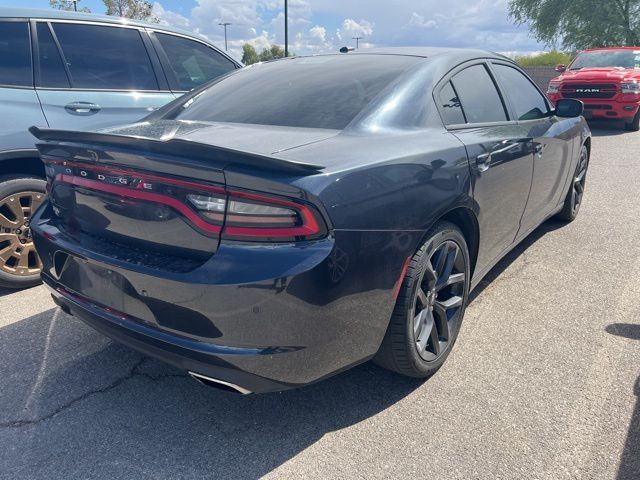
82	108
484	159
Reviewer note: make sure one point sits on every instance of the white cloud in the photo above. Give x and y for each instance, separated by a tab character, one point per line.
361	29
326	25
168	17
419	21
318	32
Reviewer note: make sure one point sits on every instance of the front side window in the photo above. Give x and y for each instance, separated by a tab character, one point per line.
105	58
192	62
526	100
15	55
478	95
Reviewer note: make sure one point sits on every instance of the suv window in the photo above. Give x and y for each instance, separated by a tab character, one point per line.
110	58
450	106
478	95
193	63
52	73
15	54
526	100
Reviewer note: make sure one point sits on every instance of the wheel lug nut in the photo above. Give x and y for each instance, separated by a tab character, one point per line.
23	241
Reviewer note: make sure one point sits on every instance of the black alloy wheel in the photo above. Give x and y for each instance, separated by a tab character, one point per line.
439	298
430	306
574	197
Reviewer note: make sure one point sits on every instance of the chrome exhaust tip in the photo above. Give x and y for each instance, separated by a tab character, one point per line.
219	384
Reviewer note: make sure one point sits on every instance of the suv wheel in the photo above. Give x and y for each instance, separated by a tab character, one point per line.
19	263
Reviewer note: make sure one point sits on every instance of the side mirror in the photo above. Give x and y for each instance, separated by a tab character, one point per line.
561	68
569	108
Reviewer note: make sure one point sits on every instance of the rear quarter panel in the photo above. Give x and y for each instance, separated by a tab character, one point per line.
380	195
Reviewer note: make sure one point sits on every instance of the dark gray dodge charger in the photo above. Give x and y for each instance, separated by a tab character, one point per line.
295	218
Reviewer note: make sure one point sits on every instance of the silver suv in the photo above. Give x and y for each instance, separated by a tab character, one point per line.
78	72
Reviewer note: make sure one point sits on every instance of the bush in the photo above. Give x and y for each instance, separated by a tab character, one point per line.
549	59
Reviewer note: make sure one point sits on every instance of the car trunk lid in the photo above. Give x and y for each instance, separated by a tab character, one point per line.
141	188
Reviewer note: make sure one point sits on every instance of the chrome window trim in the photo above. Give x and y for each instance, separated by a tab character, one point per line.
18	87
102	90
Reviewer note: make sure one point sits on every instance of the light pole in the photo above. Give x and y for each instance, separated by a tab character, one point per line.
75	5
225	25
357	39
286	28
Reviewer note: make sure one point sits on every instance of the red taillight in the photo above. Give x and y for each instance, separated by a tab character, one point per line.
235	214
254	216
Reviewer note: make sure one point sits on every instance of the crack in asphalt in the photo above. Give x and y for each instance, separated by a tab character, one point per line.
133	372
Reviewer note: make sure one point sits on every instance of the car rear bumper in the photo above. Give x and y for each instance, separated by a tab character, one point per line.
196	357
261	318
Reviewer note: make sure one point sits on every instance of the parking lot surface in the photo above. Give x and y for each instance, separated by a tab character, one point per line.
542	384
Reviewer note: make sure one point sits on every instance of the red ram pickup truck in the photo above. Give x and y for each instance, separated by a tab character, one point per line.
606	80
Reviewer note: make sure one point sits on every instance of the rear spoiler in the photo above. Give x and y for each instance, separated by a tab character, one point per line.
174	147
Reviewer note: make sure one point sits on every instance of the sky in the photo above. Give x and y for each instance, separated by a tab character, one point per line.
318	26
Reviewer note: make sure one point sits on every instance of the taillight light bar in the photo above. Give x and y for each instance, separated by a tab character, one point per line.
236	215
250	215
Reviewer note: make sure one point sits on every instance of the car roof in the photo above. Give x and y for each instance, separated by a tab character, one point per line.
430	52
55	14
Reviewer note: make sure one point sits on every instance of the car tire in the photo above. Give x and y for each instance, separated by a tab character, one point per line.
573	199
20	196
430	305
634	125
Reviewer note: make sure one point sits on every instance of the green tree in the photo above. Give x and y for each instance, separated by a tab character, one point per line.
579	24
271	53
249	54
135	9
547	59
67	5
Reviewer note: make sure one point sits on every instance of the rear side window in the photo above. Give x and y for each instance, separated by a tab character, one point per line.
109	58
15	55
192	62
526	100
450	106
478	95
52	73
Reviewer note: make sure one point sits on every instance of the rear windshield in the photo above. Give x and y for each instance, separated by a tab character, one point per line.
607	58
313	92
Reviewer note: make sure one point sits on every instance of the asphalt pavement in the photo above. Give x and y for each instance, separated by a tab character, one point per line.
544	382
